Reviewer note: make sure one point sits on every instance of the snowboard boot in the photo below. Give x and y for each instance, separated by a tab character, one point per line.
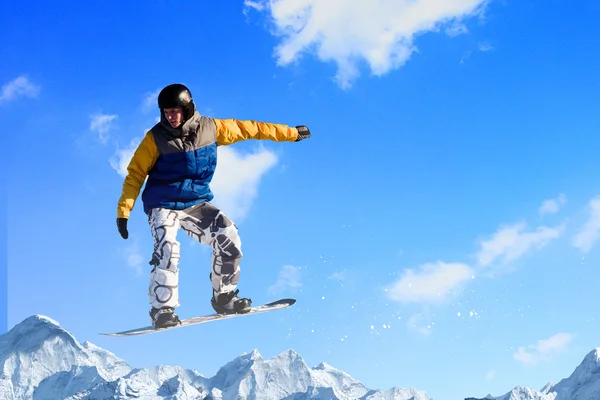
230	303
164	317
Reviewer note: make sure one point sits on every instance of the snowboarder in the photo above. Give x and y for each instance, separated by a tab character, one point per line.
179	156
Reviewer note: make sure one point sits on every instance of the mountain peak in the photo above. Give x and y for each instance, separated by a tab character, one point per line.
289	354
581	384
33	331
547	387
324	367
594	354
589	365
43	360
41	341
42	318
37	321
253	355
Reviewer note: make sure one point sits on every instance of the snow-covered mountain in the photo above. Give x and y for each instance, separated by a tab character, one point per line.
42	361
583	384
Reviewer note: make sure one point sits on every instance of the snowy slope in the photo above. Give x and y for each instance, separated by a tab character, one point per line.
40	360
521	393
287	376
38	355
583	384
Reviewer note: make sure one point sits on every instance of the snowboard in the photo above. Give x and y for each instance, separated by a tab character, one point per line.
276	305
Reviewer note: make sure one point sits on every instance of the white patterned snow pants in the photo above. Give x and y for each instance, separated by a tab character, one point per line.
209	226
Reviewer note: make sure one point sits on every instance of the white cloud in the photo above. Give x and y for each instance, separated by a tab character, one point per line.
465	57
349	32
485	47
236	180
491	374
551	206
430	284
254	4
416	324
511	242
19	87
150	101
101	124
133	257
120	160
337	276
457	28
543	350
587	236
289	278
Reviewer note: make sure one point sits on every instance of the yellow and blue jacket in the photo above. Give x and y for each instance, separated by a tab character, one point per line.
180	163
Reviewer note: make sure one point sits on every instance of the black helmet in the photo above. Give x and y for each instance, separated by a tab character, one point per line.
177	95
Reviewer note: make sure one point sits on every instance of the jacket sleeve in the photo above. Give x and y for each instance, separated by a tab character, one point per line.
230	131
142	161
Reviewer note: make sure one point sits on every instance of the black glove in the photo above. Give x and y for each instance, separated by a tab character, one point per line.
122	227
303	132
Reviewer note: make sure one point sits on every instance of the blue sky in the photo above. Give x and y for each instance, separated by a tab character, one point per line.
441	222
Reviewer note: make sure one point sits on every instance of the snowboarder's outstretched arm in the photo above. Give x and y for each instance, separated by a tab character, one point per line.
142	161
230	131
